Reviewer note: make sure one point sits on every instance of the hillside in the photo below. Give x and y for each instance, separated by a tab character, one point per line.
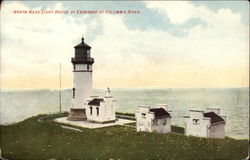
46	139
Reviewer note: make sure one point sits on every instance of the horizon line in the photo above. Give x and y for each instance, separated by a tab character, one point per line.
148	87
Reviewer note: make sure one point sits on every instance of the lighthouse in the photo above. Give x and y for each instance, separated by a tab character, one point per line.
82	81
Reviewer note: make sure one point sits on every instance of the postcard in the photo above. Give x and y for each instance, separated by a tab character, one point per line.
128	80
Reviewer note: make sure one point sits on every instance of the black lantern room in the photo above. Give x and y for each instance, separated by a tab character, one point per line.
82	54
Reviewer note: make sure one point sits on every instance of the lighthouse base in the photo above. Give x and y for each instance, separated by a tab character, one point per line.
77	114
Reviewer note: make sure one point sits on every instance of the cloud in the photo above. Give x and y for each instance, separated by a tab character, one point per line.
32	45
215	55
177	11
211	55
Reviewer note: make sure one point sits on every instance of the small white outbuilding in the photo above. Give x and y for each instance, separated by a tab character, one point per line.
208	124
153	119
101	110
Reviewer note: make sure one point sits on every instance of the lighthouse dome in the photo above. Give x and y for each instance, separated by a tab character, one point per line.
83	45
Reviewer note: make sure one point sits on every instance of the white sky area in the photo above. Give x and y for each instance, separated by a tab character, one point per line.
211	55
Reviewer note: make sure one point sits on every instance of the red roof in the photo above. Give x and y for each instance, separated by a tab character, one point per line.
160	112
96	102
215	118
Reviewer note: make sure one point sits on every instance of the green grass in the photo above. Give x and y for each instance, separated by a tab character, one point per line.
30	139
125	114
129	116
132	124
177	129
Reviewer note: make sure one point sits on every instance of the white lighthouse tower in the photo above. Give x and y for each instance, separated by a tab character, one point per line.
82	81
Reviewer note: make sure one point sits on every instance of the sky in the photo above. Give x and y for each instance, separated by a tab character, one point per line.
167	44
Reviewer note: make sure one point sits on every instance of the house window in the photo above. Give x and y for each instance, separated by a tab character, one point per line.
74	92
97	111
91	110
196	121
87	67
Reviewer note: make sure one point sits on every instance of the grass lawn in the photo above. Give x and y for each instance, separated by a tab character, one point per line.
31	139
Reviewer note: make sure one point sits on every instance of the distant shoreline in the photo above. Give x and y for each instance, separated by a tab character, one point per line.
123	88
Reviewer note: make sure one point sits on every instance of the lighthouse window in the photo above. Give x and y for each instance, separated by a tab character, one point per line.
91	110
74	92
97	111
88	54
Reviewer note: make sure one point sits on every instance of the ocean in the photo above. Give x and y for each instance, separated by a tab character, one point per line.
17	105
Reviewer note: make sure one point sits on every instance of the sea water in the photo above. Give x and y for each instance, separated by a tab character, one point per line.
17	105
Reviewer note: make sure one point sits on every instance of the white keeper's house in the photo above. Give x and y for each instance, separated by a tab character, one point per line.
153	119
101	110
205	124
